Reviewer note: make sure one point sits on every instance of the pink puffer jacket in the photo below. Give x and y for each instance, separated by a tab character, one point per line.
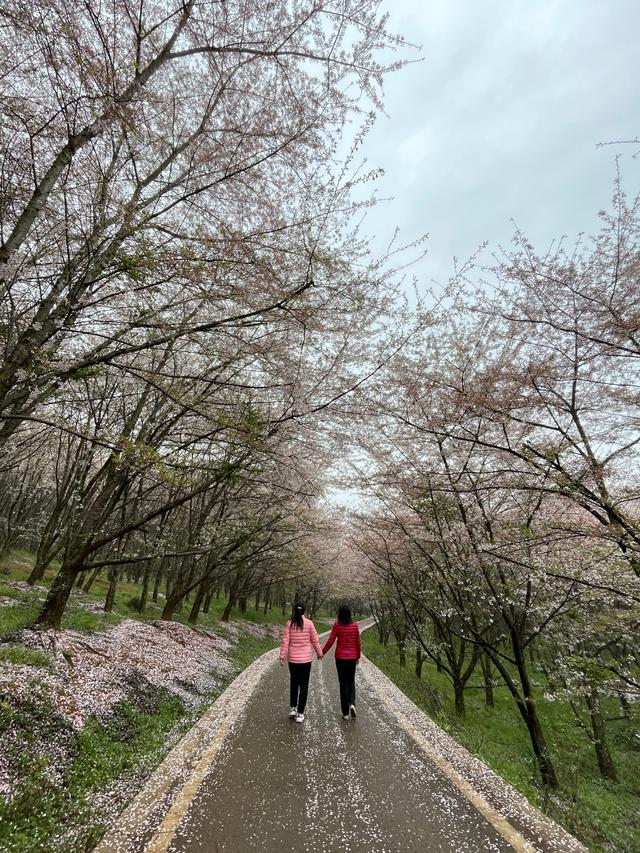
298	644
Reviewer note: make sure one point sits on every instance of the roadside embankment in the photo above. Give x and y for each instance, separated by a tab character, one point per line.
85	717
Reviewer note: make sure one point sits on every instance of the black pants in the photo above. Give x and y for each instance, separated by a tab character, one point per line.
347	678
299	685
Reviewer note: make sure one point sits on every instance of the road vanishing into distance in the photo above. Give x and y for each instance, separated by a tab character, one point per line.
328	784
249	778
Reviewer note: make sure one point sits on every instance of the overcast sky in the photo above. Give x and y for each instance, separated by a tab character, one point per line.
501	121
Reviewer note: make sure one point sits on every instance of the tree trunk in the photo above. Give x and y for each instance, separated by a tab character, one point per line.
207	602
605	762
402	653
144	595
37	573
156	585
529	711
51	614
114	576
168	610
242	604
539	744
419	660
197	602
458	693
488	679
228	608
44	556
625	706
93	576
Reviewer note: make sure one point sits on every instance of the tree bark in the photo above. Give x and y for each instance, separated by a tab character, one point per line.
526	704
144	594
488	679
156	585
93	576
605	761
51	614
419	660
44	555
458	693
197	602
226	615
114	576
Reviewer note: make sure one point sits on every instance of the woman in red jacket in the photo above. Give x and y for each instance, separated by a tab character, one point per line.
347	633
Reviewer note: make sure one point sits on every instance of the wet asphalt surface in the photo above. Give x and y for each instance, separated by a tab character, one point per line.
327	785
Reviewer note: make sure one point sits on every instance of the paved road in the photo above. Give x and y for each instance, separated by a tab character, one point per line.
327	785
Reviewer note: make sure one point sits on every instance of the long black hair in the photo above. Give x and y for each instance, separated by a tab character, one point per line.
344	615
296	616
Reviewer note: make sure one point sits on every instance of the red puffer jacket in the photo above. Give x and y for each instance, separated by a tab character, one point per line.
348	637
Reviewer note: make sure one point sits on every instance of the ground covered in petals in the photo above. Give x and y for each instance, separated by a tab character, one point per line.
600	813
85	716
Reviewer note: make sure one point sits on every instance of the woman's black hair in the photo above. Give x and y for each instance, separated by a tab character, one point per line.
296	616
344	615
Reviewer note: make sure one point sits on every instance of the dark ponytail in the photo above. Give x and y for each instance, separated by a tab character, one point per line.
296	616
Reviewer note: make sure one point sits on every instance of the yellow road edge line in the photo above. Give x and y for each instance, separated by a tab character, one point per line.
498	821
221	713
165	833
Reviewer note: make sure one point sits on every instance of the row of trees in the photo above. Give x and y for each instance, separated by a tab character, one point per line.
503	529
183	288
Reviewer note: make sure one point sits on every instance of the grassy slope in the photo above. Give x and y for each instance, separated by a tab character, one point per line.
603	814
18	567
132	741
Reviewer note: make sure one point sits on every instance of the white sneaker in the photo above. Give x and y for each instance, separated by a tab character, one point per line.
346	717
293	712
299	718
352	711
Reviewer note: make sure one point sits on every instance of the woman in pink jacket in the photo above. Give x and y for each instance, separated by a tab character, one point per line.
347	633
299	641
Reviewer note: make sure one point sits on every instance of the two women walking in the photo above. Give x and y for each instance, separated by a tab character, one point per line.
299	641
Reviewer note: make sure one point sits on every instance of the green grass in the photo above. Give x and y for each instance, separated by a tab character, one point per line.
602	814
57	771
248	649
135	734
45	804
14	619
24	656
17	567
87	620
